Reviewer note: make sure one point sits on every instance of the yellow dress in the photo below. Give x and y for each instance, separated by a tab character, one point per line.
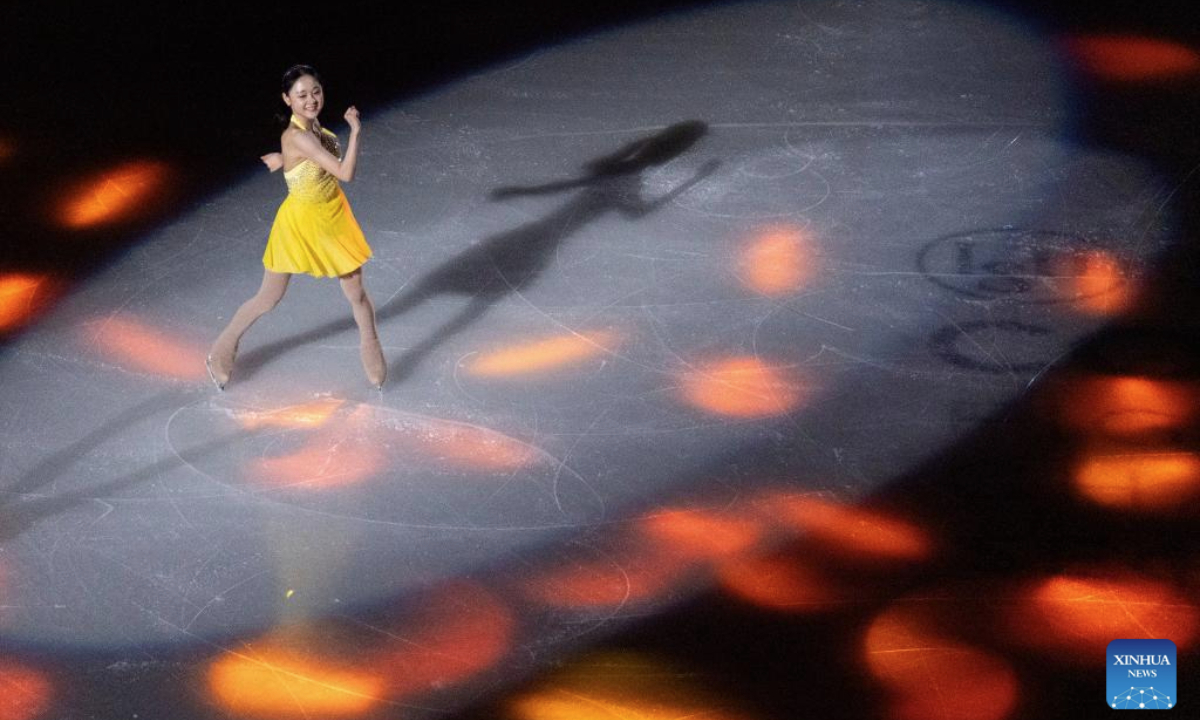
314	231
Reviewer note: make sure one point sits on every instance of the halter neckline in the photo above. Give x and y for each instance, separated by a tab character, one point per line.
296	121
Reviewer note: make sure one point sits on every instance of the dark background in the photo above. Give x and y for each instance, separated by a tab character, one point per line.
196	84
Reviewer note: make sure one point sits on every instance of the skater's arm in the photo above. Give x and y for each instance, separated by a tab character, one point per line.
273	161
308	146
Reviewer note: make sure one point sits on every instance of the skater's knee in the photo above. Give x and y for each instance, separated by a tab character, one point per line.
357	296
263	303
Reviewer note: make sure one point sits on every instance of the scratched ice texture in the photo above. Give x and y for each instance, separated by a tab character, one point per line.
913	157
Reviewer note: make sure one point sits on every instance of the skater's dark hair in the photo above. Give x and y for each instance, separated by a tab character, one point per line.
295	72
290	76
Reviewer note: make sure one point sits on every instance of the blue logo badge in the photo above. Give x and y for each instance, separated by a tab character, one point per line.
1141	675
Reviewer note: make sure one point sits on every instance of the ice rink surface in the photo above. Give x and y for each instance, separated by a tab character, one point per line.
655	300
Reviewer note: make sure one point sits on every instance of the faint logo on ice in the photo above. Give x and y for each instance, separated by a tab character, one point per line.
1022	265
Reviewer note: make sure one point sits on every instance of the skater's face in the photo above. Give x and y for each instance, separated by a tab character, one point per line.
305	97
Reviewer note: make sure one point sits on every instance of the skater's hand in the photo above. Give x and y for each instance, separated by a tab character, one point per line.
273	161
352	119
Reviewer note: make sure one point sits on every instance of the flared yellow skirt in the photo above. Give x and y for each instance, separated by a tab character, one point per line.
316	238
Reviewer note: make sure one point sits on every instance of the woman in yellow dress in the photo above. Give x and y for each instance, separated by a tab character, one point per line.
314	231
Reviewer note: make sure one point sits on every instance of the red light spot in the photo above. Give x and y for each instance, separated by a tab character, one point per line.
779	261
544	355
472	447
22	297
1094	283
1127	406
25	693
847	530
140	347
636	575
118	195
743	387
1076	616
783	582
701	534
458	631
1128	58
929	676
325	461
1140	482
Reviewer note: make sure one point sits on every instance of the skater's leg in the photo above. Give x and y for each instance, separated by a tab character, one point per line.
224	349
364	316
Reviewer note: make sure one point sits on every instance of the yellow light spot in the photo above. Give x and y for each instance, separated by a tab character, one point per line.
276	681
544	355
290	593
472	447
1095	283
778	261
742	387
118	195
621	686
307	415
1145	482
1127	406
138	346
325	461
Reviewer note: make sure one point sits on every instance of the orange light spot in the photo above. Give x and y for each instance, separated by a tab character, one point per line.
849	530
779	261
1095	283
931	677
142	348
1127	58
638	575
701	534
620	686
24	693
1076	616
458	631
325	461
275	679
1128	406
472	447
307	415
543	355
22	297
742	387
118	195
1140	482
781	582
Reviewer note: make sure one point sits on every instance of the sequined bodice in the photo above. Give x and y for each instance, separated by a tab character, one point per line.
308	181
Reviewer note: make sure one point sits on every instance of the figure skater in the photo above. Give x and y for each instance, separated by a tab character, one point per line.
314	230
